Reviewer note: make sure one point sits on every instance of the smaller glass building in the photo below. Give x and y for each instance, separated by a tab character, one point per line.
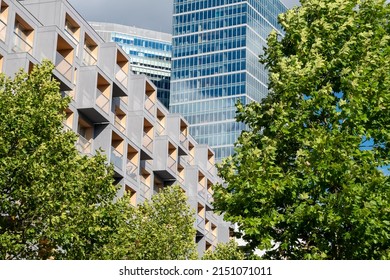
149	51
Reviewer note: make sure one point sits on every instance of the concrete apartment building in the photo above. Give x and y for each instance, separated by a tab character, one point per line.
150	52
113	108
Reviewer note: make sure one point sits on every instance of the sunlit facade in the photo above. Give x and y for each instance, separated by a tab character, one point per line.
216	44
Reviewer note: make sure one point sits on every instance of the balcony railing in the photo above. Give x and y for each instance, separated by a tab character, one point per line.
209	197
119	126
144	190
131	170
124	99
190	158
210	167
172	164
116	158
200	222
211	236
71	35
201	191
66	128
63	66
147	142
21	45
184	140
180	179
149	105
3	30
102	101
84	146
88	58
159	128
121	76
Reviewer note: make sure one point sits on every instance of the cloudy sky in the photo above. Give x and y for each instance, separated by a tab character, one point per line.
149	14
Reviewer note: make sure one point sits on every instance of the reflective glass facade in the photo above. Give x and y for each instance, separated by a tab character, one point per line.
150	53
216	44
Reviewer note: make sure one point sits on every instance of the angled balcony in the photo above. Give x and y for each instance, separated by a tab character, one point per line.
202	185
90	51
147	140
84	142
120	119
150	99
72	31
145	186
121	73
117	149
23	36
160	123
132	163
84	146
94	100
3	20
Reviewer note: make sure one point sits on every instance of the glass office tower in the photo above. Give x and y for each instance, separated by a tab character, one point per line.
216	44
149	51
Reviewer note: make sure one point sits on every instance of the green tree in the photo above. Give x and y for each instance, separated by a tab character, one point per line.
225	251
307	181
160	229
53	202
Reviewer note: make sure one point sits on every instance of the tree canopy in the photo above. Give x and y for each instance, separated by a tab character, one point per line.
306	180
58	204
160	229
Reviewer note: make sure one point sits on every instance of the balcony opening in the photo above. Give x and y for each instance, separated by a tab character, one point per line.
90	51
132	195
183	134
200	217
158	185
147	141
150	98
201	185
145	183
132	163
210	161
3	20
64	58
23	36
207	225
209	246
117	147
180	174
103	94
121	68
210	191
1	63
68	122
72	29
172	157
30	67
84	142
214	230
160	124
191	153
120	119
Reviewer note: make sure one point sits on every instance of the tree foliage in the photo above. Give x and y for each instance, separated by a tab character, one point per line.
55	203
225	251
306	180
52	199
160	229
